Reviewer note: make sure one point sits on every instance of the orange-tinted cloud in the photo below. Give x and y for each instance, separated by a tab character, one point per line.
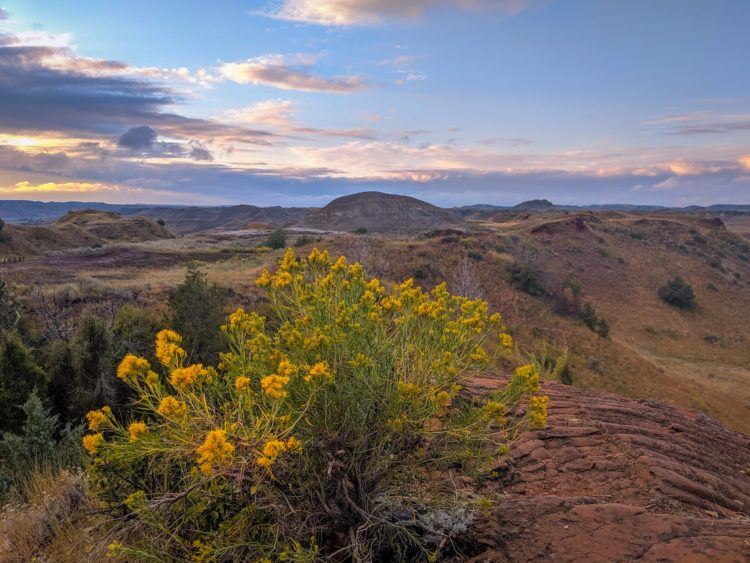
289	73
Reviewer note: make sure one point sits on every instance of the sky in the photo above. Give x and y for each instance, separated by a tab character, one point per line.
296	102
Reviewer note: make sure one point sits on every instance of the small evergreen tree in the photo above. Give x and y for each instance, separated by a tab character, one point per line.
196	311
19	377
9	308
41	442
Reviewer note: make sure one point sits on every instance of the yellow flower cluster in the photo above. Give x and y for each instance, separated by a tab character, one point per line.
91	442
537	411
506	340
136	430
182	378
97	419
247	323
494	411
242	383
132	367
407	390
273	385
526	378
170	407
274	448
215	450
319	371
168	350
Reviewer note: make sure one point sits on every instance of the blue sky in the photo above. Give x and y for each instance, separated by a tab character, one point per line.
295	102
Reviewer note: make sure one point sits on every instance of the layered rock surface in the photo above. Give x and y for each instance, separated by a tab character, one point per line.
614	479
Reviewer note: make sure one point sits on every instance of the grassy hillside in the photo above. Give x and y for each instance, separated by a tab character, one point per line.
76	229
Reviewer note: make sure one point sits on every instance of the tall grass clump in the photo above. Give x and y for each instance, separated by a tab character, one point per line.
320	434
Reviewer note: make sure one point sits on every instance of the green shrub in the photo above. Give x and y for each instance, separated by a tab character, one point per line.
276	240
196	311
678	293
360	231
525	277
41	443
302	241
316	435
19	377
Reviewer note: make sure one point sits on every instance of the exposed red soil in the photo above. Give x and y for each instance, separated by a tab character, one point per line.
614	479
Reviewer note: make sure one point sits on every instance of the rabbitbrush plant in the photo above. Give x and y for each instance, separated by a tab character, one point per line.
319	434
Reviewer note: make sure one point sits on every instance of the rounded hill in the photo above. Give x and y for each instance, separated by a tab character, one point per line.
379	212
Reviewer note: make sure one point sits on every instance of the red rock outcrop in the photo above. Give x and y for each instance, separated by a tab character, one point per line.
614	479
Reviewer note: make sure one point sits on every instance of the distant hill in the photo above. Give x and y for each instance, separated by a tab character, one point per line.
186	220
25	211
534	205
76	229
379	212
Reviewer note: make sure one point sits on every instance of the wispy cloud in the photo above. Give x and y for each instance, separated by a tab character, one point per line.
373	12
281	115
701	123
26	187
289	73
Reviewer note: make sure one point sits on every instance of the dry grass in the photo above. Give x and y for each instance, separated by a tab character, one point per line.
56	523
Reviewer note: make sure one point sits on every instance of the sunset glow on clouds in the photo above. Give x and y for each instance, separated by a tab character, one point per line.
294	102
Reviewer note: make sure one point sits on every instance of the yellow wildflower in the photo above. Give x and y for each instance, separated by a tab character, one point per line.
340	265
526	378
274	448
289	261
319	371
215	450
114	549
293	444
537	411
242	383
168	349
479	355
131	367
407	390
91	442
318	257
273	386
97	419
136	430
282	279
182	378
506	340
265	279
170	407
494	411
244	322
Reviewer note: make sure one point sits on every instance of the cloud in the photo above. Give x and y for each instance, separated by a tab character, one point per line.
289	73
373	12
281	115
138	138
4	15
26	187
199	152
47	88
701	123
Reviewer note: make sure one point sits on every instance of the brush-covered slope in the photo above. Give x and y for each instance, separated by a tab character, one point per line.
78	229
187	220
541	271
379	212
